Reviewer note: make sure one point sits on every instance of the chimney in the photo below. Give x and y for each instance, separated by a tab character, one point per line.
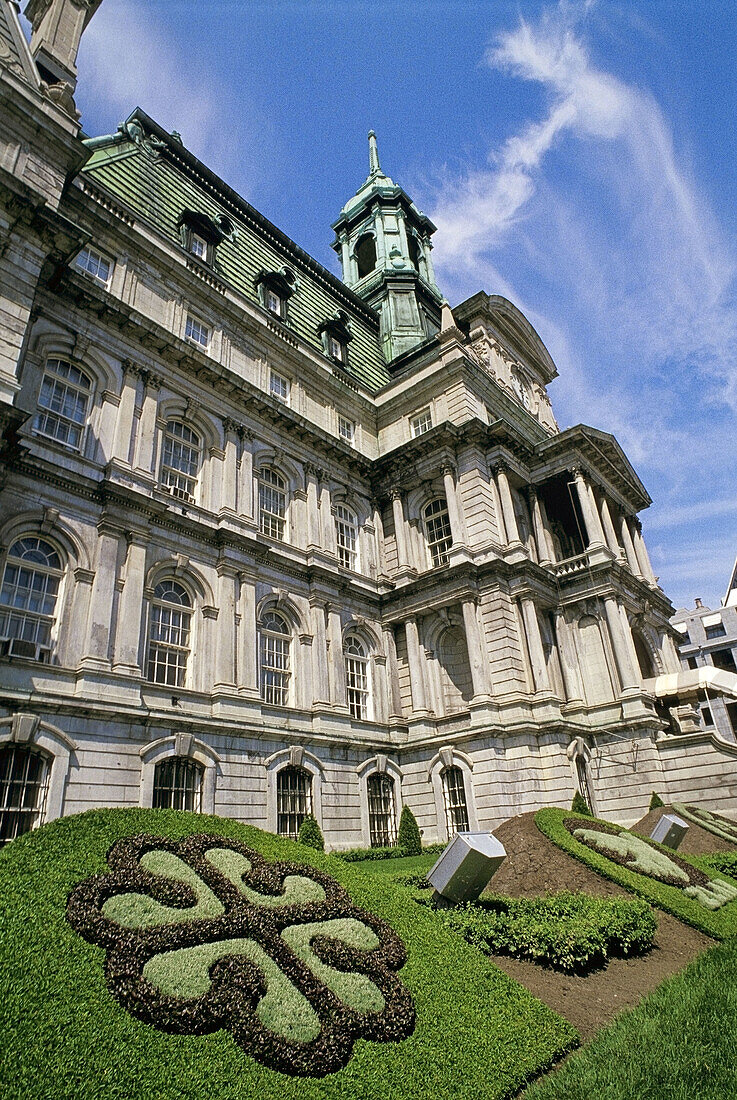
697	602
56	29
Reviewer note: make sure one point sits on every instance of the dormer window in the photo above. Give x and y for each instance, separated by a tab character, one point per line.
198	247
336	334
200	234
275	288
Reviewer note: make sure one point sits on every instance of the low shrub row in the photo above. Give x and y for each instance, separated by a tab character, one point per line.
726	862
358	855
719	923
569	932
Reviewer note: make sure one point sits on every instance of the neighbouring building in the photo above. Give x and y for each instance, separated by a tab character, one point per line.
273	542
707	644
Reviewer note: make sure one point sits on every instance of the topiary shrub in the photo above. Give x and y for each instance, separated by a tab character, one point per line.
655	801
311	834
409	833
580	805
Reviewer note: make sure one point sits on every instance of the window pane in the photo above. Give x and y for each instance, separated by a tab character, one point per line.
437	527
382	819
180	460
24	776
170	622
454	797
28	596
63	403
293	800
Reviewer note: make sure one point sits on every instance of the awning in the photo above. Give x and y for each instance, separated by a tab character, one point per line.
690	680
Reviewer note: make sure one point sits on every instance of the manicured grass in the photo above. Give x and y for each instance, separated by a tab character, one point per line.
388	867
478	1035
719	923
678	1044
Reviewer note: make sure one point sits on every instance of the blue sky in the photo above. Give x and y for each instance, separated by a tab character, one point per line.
577	157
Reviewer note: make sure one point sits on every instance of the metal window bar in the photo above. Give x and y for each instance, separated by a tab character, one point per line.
178	785
454	798
24	783
382	818
293	800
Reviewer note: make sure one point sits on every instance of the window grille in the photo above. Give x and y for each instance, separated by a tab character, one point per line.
24	781
357	677
454	799
170	626
178	785
382	818
347	430
180	460
197	332
28	597
346	532
293	800
421	423
92	263
274	643
279	387
437	527
63	403
272	503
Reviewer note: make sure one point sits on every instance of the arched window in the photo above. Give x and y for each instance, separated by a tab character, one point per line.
274	641
382	816
293	800
272	503
28	598
178	784
357	677
365	254
346	533
63	403
414	251
24	781
170	626
180	460
454	800
644	657
437	530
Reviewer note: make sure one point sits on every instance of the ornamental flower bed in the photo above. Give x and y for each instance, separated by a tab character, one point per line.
714	823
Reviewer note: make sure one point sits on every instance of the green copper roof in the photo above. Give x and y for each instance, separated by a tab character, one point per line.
158	179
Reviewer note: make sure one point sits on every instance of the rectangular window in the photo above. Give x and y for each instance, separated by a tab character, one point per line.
718	630
732	715
692	662
93	264
724	659
198	247
421	423
274	303
337	349
347	430
279	387
706	715
197	332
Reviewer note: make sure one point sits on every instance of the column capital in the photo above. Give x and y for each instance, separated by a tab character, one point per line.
313	470
150	380
449	469
396	492
230	425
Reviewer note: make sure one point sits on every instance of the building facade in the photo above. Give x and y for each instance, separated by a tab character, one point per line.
707	645
273	542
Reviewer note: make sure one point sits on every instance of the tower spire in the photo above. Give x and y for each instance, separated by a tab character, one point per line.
374	166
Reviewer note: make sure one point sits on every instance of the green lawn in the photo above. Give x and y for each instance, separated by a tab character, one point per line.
479	1035
404	865
678	1044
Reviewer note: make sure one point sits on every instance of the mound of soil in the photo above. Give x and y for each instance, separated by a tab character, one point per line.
696	842
534	866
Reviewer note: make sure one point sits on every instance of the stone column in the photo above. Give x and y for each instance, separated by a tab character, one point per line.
641	553
379	538
146	442
535	644
320	678
130	606
400	531
594	530
314	539
392	672
609	533
106	432
126	408
99	621
224	678
505	496
247	636
336	660
416	671
379	690
545	555
476	654
629	678
327	520
229	488
629	547
455	514
572	681
245	475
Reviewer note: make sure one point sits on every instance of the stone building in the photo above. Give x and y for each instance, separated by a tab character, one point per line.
273	542
707	644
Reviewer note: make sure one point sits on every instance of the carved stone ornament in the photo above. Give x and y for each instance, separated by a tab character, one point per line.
61	95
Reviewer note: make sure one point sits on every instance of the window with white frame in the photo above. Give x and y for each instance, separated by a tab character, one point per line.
346	535
198	246
382	815
293	800
170	627
274	302
357	677
197	331
337	348
272	503
347	430
422	422
437	531
274	644
454	800
28	596
24	782
279	387
178	784
181	457
92	263
63	403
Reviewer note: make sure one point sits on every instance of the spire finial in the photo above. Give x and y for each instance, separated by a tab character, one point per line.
374	165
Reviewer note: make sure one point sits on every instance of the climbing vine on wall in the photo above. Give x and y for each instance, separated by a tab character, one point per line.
204	933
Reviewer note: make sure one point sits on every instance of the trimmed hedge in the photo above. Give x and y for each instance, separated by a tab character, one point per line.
409	838
569	932
720	923
65	1037
359	855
